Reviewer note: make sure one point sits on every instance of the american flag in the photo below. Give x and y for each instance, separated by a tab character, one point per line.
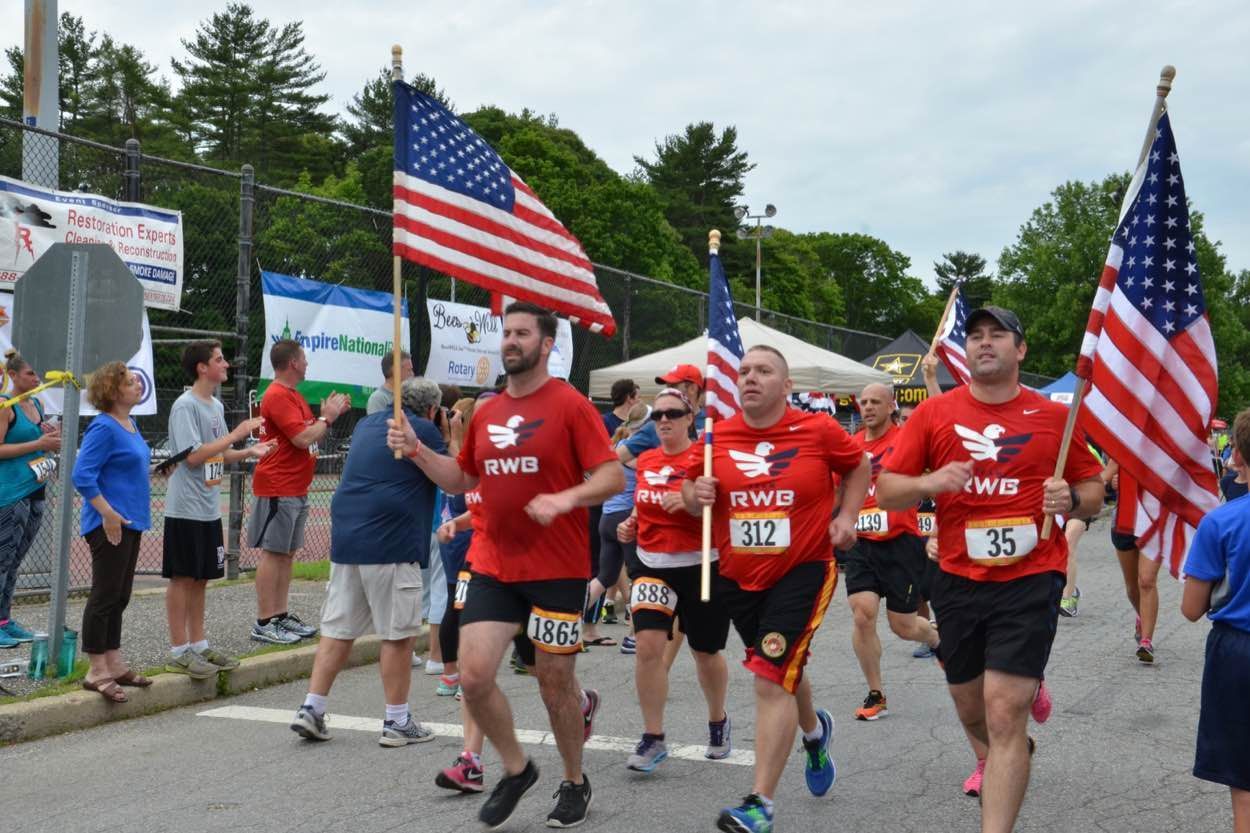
724	346
1150	359
950	346
459	209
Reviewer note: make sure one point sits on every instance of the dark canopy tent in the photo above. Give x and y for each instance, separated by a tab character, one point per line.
901	359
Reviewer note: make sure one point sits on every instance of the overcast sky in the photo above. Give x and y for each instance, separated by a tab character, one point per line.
934	126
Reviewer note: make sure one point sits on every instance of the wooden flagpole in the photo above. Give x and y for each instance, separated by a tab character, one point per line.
397	74
705	576
1166	75
950	302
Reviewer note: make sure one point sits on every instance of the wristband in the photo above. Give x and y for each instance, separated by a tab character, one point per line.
1075	498
323	419
412	455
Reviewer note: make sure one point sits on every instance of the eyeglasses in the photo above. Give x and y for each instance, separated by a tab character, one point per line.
672	414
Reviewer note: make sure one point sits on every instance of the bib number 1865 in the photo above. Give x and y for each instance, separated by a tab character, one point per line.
555	632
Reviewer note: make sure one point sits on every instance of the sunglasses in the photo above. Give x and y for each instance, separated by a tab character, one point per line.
672	414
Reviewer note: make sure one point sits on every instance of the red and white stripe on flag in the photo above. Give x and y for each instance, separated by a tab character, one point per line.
721	397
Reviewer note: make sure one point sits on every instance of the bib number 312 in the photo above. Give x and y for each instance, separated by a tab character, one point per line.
759	533
554	632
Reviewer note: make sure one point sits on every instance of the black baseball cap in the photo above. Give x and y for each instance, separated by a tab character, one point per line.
1005	317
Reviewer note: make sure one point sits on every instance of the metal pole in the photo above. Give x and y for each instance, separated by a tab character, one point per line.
626	318
758	238
41	98
131	174
75	329
242	302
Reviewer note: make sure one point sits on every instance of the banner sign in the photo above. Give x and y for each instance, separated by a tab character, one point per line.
148	239
344	333
140	364
465	343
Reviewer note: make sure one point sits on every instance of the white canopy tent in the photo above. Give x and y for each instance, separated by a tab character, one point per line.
811	368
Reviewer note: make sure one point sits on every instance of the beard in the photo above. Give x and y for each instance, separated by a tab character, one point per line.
520	361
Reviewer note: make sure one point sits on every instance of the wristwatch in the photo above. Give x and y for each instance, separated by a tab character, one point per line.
323	419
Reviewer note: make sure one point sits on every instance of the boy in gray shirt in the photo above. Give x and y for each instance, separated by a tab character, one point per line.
194	550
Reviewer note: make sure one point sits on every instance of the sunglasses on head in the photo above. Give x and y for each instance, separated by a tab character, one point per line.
671	413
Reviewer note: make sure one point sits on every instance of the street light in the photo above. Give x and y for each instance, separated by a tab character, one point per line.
758	233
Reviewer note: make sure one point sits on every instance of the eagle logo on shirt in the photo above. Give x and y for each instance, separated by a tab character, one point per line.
876	462
990	444
512	433
658	478
763	462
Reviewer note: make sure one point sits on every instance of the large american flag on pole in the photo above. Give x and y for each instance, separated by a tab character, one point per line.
950	346
1149	358
460	210
724	346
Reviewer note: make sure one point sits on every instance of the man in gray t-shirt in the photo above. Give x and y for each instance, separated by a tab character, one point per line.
383	397
194	550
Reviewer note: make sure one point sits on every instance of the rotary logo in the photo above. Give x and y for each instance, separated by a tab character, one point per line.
482	372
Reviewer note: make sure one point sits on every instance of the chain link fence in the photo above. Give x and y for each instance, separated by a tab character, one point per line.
234	228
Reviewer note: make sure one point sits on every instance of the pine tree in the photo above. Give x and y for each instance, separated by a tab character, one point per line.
969	268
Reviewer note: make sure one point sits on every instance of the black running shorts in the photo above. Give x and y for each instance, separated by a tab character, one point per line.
893	569
659	593
193	549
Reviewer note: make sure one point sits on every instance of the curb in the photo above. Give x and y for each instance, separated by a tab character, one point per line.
33	719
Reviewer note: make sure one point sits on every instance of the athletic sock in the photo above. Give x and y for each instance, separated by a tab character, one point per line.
200	647
649	736
767	802
814	734
179	650
260	623
316	702
473	758
397	714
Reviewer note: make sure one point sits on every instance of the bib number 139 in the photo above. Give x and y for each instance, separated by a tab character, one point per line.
555	632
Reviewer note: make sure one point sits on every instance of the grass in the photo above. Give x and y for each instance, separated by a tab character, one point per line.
64	686
311	570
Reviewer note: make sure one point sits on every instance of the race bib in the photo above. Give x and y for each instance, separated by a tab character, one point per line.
555	633
462	589
759	533
926	521
43	468
652	594
996	542
213	468
873	522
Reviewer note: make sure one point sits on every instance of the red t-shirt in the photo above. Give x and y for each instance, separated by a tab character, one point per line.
878	524
775	499
473	500
660	531
998	516
538	444
287	471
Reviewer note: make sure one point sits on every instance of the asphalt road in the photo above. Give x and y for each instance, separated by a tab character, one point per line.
1115	756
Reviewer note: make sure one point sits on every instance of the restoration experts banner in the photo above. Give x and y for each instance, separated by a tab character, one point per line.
148	239
344	333
140	364
465	343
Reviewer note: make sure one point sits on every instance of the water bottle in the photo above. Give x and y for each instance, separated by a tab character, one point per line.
69	653
38	657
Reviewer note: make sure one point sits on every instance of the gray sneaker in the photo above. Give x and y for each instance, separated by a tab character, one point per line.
191	664
650	753
410	732
309	725
274	634
295	625
225	662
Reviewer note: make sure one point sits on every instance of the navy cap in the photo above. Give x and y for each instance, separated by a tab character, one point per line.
1005	317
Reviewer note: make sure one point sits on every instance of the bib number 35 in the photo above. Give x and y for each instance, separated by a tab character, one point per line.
555	632
1000	541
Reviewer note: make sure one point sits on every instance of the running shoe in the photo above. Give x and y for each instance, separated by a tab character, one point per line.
1146	652
873	708
503	800
448	686
295	625
222	660
1067	606
274	634
751	816
648	754
462	776
16	631
1137	631
629	645
972	785
1042	703
417	661
191	664
588	714
609	613
309	725
7	641
518	667
819	769
719	740
572	804
395	735
433	668
923	651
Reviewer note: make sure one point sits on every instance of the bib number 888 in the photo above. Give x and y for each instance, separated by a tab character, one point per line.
554	632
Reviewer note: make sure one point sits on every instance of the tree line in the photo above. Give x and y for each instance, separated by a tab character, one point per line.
248	91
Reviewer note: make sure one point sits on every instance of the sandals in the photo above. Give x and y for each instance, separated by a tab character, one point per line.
106	688
601	642
133	679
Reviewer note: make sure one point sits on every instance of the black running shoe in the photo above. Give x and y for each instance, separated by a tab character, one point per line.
506	795
572	804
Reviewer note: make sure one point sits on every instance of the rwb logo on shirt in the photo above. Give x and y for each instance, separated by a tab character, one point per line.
512	433
763	462
990	444
658	478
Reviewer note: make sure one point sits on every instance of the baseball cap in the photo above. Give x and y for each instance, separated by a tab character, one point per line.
1005	317
681	373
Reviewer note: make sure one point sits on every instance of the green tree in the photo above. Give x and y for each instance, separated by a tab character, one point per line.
968	267
878	294
372	111
699	177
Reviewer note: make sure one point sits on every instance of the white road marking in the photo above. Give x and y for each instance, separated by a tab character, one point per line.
599	743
